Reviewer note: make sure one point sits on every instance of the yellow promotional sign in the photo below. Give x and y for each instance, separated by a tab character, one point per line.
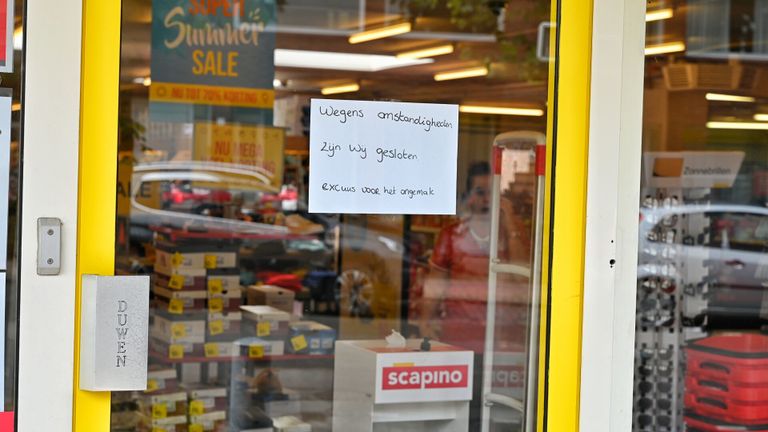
256	351
124	173
211	95
299	343
255	147
263	329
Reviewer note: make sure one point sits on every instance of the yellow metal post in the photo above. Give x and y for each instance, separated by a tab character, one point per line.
565	216
98	177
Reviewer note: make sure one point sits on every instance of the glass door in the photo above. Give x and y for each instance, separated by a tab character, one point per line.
701	285
340	205
11	29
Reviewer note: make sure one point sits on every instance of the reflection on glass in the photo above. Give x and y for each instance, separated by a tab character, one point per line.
267	317
702	282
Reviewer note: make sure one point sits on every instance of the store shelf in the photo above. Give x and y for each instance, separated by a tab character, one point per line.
426	229
266	359
174	234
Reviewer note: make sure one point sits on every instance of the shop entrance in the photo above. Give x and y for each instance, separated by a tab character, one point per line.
295	282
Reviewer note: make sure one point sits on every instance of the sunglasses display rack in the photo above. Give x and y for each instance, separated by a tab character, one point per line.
671	301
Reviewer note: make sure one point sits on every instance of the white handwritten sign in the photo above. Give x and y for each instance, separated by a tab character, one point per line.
382	157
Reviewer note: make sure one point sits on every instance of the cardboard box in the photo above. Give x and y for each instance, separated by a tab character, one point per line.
318	339
265	322
162	380
223	327
226	278
207	256
268	295
189	274
181	280
206	399
291	424
198	350
183	302
212	421
178	331
164	405
167	424
253	347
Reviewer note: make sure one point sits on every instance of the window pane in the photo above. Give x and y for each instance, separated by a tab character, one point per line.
701	316
265	314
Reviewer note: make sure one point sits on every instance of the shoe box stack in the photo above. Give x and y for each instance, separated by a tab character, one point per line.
726	383
170	406
268	320
265	330
197	297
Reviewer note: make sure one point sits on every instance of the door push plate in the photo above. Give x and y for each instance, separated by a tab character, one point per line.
48	246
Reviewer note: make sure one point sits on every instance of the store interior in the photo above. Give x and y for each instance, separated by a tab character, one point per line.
337	279
254	298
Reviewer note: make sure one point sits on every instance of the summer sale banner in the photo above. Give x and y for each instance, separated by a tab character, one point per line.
217	54
213	60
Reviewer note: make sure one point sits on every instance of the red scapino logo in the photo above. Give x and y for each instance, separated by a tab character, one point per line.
425	377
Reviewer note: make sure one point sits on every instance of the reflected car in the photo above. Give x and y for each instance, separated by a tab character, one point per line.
198	195
717	252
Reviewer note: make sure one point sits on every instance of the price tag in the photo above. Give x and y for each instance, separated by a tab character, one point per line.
263	329
211	350
176	282
177	259
215	286
152	385
176	306
176	351
159	411
178	330
196	408
299	343
216	327
210	262
196	427
215	305
256	351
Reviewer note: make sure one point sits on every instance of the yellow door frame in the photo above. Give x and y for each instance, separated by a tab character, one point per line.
564	238
100	84
565	216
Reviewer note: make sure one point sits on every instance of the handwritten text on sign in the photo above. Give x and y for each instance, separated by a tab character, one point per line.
382	157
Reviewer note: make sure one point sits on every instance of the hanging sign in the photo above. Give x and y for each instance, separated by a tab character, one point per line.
213	52
6	42
692	169
382	157
259	148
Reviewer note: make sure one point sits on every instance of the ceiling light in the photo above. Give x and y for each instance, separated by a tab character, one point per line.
427	52
728	98
342	61
477	109
380	33
276	83
737	125
462	73
658	15
664	48
761	117
18	38
346	88
147	81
